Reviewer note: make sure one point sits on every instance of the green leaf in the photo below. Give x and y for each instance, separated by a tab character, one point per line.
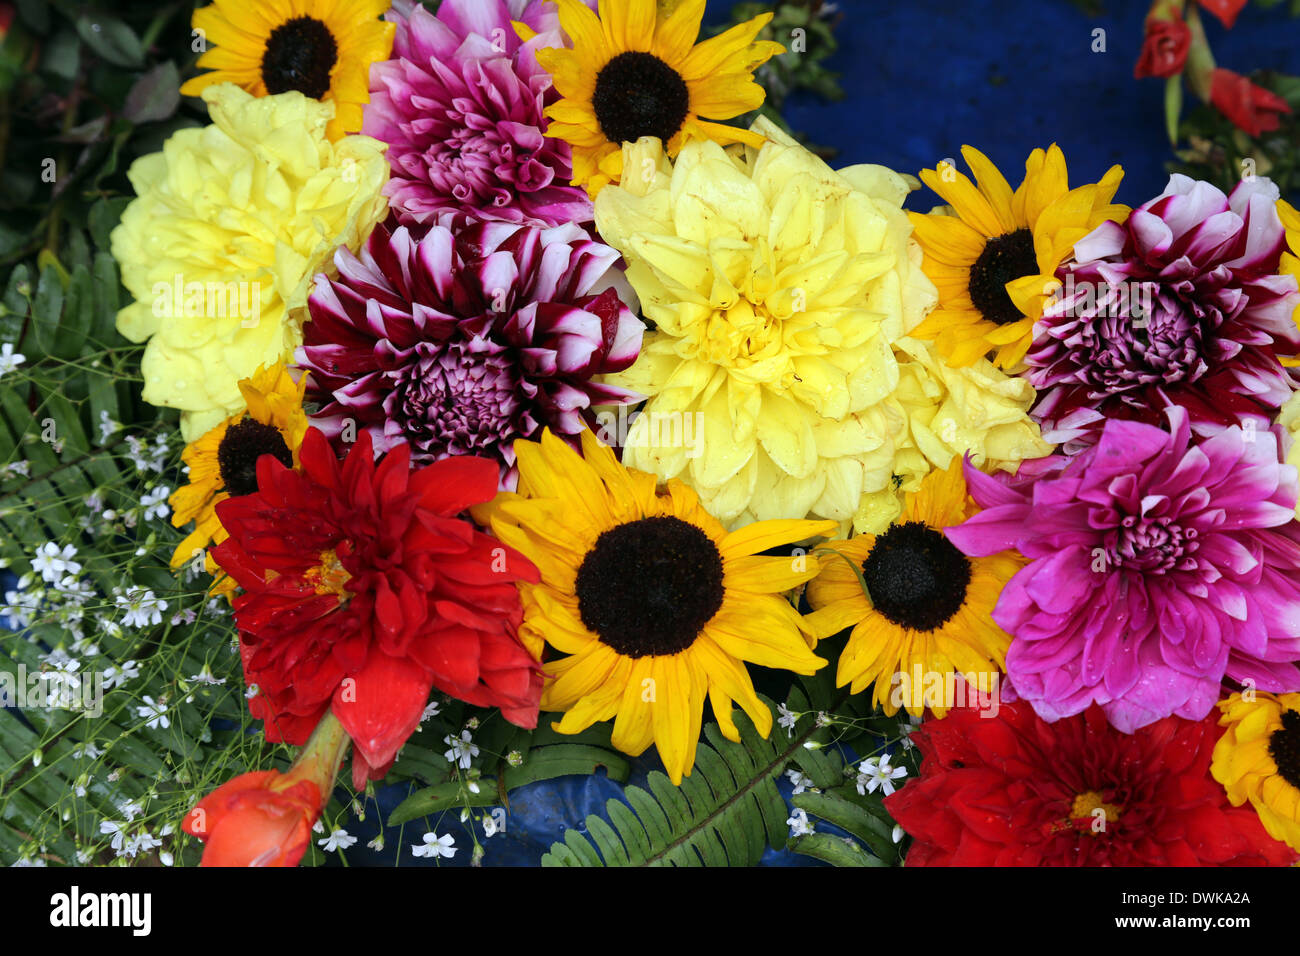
444	796
559	760
111	39
154	96
104	217
853	817
1173	106
833	850
47	307
78	312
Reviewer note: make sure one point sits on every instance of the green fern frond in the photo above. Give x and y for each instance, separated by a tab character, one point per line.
724	814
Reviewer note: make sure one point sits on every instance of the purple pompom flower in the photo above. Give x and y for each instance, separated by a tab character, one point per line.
1156	568
460	107
466	339
1179	305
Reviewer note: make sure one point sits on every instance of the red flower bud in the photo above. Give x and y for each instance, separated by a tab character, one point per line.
1164	50
265	818
1252	108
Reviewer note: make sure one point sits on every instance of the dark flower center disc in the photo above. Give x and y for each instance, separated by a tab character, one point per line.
638	94
1004	259
916	577
1284	748
239	450
648	587
299	56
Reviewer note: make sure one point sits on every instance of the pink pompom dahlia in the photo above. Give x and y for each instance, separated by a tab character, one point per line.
1156	568
1179	305
460	107
468	338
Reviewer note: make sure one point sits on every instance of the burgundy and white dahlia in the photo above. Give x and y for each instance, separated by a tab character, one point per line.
460	107
1179	305
466	339
1157	567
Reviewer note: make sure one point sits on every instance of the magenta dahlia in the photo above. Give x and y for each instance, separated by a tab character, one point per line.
1157	567
460	107
468	338
1179	305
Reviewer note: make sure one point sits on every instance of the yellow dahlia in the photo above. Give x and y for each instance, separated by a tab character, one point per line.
929	613
223	461
1258	759
654	603
995	259
229	224
777	286
320	48
636	71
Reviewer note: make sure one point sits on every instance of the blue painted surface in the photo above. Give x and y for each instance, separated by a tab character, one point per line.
922	78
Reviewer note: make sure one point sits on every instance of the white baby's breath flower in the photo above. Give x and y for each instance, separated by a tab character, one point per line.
435	846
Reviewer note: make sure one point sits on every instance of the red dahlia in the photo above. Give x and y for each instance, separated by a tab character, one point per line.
363	589
1014	790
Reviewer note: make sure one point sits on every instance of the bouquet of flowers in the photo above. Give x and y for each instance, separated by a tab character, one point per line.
497	395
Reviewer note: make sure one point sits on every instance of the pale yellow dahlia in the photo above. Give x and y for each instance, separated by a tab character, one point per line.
778	287
951	412
230	223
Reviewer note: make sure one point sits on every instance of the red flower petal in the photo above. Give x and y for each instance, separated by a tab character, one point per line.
381	707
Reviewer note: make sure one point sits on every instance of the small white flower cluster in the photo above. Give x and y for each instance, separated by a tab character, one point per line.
130	845
15	469
876	773
141	605
146	457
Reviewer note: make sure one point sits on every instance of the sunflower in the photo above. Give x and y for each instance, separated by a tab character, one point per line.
932	604
223	461
636	71
654	603
321	48
1258	759
1290	260
995	260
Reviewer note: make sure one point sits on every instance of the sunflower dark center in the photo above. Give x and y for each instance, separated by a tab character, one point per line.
647	587
916	577
299	56
638	94
239	450
1004	258
1284	748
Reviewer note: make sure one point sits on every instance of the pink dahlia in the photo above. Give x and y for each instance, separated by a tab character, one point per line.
1179	305
1157	567
466	339
460	107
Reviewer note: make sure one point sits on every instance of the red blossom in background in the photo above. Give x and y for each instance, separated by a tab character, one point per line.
364	589
1252	108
